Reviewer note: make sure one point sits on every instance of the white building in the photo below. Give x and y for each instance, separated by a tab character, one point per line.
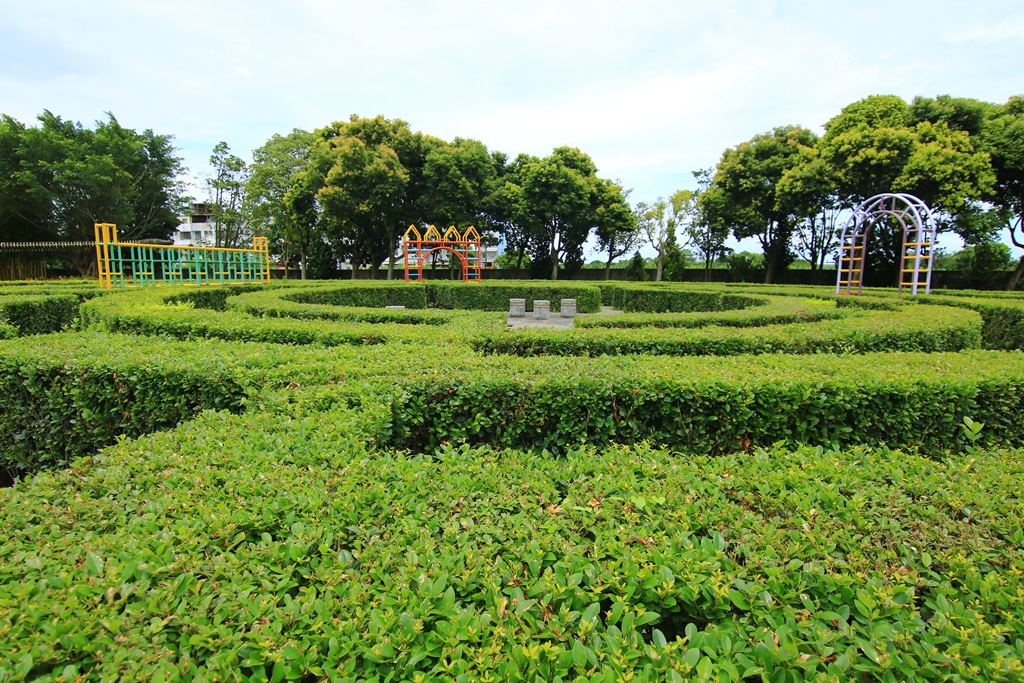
197	228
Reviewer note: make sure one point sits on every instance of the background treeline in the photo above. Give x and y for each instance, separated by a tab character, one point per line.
789	187
347	192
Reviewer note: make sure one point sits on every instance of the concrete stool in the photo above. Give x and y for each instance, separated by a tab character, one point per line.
517	308
541	309
568	308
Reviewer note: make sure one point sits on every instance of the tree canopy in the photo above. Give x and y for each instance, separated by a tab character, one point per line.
59	178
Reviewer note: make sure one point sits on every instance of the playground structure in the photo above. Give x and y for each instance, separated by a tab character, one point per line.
417	247
133	264
918	225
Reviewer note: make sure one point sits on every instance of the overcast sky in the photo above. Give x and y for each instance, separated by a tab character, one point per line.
651	90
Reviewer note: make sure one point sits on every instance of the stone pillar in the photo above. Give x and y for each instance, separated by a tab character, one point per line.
517	308
541	309
568	308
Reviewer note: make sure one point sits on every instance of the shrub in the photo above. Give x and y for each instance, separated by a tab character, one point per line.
911	328
717	405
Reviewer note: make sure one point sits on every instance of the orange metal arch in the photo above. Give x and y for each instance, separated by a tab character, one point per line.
462	259
416	248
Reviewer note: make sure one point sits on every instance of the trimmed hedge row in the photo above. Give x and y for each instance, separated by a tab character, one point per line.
39	313
717	405
767	310
363	295
671	298
1002	319
240	548
146	313
277	304
910	328
67	395
484	296
494	296
72	399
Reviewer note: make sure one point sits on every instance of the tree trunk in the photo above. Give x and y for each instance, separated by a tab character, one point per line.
769	266
1015	278
302	264
392	235
608	265
661	264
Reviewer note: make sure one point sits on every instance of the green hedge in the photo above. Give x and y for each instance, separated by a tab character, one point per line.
671	299
768	310
1002	319
70	401
276	304
148	313
494	296
39	313
67	395
237	548
911	328
365	295
718	404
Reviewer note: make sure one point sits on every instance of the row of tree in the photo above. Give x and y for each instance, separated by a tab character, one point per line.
348	191
353	187
789	187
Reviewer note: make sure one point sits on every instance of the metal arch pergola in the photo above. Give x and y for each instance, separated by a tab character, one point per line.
919	229
416	248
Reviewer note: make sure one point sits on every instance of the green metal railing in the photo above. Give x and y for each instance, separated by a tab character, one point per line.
130	264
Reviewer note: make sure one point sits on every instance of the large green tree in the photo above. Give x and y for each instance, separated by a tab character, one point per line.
882	144
458	177
361	196
707	232
808	188
227	187
388	151
59	178
617	229
1003	138
275	170
746	191
561	201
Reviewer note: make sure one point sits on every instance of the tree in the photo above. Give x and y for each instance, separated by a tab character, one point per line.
746	192
60	178
809	189
274	172
708	232
1003	139
360	198
559	205
617	229
366	177
674	262
458	177
982	264
227	193
506	209
880	145
637	270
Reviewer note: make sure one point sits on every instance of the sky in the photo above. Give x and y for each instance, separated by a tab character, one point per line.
651	90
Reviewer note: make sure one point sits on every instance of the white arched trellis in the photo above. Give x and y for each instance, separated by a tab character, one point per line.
918	225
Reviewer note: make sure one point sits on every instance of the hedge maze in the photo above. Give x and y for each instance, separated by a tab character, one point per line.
295	482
